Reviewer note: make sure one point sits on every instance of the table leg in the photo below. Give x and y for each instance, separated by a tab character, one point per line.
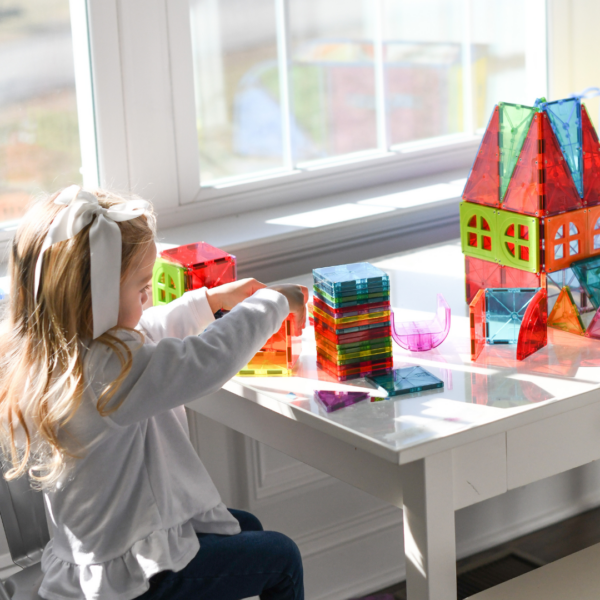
429	534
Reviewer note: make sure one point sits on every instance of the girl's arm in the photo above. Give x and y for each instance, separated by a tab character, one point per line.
189	315
174	372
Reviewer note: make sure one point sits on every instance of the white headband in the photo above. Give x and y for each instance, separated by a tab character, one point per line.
105	247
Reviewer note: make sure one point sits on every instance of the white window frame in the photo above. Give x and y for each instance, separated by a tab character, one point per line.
138	121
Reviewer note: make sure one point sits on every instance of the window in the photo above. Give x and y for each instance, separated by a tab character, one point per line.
292	85
39	134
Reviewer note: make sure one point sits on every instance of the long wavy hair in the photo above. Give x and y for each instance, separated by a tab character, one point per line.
43	340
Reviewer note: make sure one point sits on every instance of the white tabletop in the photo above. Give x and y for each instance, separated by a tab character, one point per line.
488	394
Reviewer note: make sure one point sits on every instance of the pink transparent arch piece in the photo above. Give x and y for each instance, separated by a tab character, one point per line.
419	336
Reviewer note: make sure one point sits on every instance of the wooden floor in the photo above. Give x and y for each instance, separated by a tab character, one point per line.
541	547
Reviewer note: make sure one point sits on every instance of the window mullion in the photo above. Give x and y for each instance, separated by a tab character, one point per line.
284	64
380	88
467	63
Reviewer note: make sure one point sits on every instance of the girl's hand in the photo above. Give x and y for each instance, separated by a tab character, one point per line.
226	296
297	296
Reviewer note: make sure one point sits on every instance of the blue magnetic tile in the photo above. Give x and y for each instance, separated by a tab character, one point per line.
588	273
504	312
407	381
565	118
348	276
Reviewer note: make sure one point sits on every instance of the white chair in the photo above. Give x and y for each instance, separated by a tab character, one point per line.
26	529
575	577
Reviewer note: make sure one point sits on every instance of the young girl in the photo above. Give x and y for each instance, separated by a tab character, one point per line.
91	395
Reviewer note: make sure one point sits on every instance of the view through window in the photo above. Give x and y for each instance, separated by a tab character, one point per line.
39	137
283	83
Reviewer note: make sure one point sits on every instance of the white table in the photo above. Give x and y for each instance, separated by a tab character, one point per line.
498	424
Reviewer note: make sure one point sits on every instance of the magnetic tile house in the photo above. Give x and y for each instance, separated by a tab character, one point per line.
530	215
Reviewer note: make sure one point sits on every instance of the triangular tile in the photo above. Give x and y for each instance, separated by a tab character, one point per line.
587	272
483	184
514	125
565	315
533	334
565	118
591	161
523	194
593	330
560	192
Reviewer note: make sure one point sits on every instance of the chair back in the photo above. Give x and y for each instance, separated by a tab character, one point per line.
24	520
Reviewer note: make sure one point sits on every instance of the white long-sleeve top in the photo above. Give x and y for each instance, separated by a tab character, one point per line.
131	505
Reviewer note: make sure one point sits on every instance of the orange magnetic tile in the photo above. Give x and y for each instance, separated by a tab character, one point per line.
483	185
533	334
565	315
593	231
477	321
565	238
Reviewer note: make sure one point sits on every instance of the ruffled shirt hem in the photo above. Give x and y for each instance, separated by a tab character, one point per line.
126	576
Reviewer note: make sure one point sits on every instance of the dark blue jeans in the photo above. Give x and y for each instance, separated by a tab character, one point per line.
232	567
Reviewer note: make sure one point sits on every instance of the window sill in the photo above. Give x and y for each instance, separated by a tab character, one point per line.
293	238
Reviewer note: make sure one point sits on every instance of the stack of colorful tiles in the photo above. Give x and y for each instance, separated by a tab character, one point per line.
530	216
352	319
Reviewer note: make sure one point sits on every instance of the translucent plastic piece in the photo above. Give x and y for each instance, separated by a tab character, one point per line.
279	353
350	311
514	125
363	369
560	193
533	334
345	293
352	337
565	315
351	327
557	280
168	282
420	336
518	241
481	274
593	231
505	308
206	266
565	239
356	358
362	319
483	185
593	330
351	348
350	276
565	118
477	324
407	381
588	274
591	161
331	400
524	194
351	300
478	231
310	308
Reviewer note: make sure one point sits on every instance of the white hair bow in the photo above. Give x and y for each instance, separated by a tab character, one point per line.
105	247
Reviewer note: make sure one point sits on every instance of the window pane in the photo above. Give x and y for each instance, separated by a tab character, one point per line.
423	48
39	137
499	44
332	77
237	87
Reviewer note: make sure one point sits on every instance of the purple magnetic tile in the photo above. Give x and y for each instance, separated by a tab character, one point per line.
335	400
419	336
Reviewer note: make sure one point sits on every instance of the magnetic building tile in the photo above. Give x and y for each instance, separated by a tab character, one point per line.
565	315
342	276
587	272
505	308
407	381
331	400
533	334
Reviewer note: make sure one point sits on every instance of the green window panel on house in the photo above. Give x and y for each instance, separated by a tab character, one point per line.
168	282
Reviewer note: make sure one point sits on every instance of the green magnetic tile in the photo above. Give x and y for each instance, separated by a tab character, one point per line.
514	125
587	272
478	231
168	282
358	302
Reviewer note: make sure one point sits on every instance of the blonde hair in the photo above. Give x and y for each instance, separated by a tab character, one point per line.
42	341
